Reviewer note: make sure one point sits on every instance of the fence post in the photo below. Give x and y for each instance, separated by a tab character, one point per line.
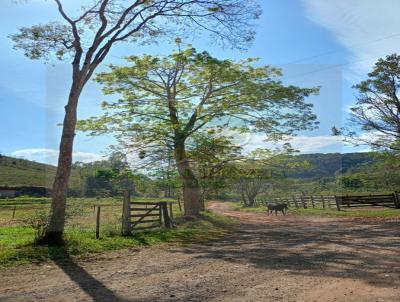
126	214
179	204
171	213
323	202
164	210
337	203
13	214
295	201
303	201
396	199
98	208
312	201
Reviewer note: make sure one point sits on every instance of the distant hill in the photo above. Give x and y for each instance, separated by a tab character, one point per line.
327	165
22	172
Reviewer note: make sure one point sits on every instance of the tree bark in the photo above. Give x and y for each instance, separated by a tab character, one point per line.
55	228
191	187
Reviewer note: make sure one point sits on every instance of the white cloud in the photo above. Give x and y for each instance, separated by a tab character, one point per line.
369	29
50	156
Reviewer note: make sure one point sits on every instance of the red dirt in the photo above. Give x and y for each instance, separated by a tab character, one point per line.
283	258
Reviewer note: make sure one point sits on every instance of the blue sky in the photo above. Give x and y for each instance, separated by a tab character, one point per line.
331	44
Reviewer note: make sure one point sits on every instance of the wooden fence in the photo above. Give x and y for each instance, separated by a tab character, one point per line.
141	215
381	200
339	202
150	215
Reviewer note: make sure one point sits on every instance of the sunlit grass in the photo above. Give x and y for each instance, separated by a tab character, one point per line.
17	244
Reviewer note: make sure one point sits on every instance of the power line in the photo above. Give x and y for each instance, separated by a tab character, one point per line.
333	67
340	49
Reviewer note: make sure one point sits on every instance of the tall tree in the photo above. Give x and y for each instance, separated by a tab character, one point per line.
87	39
377	109
172	98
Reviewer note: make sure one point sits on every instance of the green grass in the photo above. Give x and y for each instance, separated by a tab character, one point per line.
366	212
21	172
17	242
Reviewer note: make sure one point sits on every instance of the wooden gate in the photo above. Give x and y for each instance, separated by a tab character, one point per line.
149	215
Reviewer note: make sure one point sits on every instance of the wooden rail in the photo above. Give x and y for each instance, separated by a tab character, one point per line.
381	200
339	202
142	215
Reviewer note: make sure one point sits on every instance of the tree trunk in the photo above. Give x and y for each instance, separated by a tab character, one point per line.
191	187
55	228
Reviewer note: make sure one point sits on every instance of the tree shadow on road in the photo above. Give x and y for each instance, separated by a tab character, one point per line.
367	251
90	285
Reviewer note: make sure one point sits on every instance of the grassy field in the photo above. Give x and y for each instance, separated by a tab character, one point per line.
17	239
365	212
21	172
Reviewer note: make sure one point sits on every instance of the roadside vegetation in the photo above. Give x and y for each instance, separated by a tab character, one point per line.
18	238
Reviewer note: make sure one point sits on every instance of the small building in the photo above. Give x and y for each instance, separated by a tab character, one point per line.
7	193
31	191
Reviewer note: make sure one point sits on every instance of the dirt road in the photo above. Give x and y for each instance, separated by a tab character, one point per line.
269	259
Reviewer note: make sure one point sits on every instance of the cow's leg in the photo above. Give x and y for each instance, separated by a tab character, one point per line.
276	212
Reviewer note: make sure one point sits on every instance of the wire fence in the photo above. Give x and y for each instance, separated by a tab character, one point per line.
81	214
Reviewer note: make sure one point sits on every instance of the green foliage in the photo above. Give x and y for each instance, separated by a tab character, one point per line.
377	110
261	174
379	175
191	105
350	182
38	221
45	41
328	165
204	93
101	184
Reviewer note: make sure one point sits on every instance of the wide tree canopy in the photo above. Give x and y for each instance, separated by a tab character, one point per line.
189	91
167	100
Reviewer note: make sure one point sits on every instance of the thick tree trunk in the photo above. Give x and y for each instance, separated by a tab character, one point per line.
191	187
55	228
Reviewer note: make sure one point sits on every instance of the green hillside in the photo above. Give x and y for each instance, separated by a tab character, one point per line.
21	172
327	165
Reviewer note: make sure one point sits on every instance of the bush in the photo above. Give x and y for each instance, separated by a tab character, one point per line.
38	221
